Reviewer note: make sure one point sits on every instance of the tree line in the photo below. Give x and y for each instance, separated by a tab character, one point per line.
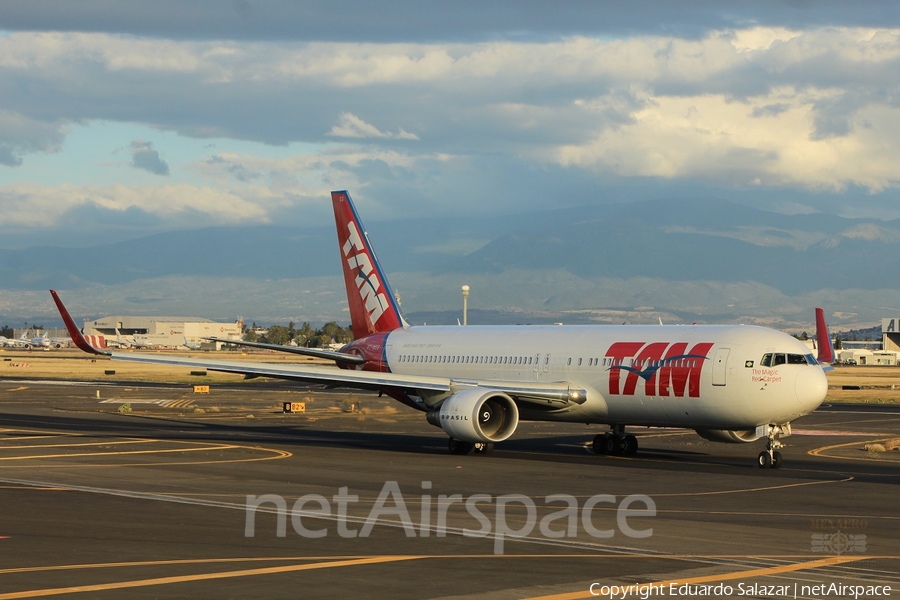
305	335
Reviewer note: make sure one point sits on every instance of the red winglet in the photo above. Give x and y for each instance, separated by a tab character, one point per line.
74	332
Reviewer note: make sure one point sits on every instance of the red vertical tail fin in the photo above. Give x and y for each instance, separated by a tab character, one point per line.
823	339
373	307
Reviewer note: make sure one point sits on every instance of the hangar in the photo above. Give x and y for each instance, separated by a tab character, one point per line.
890	334
165	331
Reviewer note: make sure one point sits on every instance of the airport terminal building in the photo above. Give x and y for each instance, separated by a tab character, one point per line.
890	334
170	332
868	353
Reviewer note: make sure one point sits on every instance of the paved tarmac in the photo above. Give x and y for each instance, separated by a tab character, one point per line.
152	503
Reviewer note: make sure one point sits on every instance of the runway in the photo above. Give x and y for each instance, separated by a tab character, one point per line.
151	502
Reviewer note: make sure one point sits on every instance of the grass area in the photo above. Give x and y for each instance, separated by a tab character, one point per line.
877	385
75	364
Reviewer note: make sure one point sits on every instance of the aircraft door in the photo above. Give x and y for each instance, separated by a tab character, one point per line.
720	366
537	366
546	363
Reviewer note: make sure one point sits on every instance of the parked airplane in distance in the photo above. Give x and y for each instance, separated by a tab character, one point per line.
44	341
191	345
124	341
19	342
729	383
133	341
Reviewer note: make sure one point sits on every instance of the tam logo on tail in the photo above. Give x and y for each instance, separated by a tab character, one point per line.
372	306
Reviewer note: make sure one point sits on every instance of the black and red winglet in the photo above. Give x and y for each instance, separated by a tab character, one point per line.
74	332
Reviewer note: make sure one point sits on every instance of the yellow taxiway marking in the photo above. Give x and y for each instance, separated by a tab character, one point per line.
762	572
106	443
821	450
121	453
277	455
249	559
120	585
758	489
325	562
176	561
42	432
196	447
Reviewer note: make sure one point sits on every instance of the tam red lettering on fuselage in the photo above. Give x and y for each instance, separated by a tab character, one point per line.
665	368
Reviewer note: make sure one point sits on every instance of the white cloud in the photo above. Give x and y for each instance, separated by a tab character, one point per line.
763	106
716	138
34	205
351	126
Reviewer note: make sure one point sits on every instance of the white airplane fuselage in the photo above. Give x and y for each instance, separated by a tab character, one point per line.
683	376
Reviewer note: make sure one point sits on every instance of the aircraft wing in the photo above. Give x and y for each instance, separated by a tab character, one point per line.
543	393
537	392
326	375
351	359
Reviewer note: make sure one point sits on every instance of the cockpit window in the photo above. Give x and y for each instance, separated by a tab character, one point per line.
773	360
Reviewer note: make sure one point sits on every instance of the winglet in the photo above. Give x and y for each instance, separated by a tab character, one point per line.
823	339
73	330
373	307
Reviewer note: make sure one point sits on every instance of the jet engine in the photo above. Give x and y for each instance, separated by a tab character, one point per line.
725	436
477	415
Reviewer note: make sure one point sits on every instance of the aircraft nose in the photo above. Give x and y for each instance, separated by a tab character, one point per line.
811	388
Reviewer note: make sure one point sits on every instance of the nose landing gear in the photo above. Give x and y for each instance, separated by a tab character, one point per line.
771	457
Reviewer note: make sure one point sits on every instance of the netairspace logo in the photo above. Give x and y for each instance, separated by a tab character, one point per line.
562	523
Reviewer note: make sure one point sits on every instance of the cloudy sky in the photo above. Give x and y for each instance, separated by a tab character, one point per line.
122	118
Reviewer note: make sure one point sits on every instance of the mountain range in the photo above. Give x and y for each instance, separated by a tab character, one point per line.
695	260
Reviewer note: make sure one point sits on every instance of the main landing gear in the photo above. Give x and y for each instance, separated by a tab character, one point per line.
615	442
771	457
459	447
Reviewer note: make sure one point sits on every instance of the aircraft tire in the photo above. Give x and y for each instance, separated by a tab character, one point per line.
613	445
629	445
459	447
777	460
484	448
763	460
599	443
